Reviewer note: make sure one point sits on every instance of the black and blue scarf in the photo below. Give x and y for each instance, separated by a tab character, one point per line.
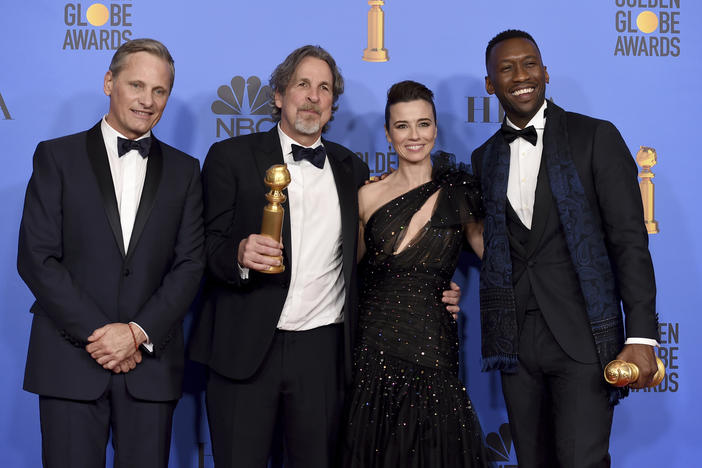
585	242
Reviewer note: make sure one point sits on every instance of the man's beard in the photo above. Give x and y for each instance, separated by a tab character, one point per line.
307	126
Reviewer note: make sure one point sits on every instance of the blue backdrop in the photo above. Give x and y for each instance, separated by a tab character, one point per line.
635	62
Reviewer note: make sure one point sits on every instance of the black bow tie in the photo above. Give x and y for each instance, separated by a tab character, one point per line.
511	133
314	155
124	146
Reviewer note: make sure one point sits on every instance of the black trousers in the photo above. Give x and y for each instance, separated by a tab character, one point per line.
558	408
300	384
75	433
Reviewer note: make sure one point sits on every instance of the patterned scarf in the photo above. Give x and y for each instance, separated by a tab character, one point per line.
585	244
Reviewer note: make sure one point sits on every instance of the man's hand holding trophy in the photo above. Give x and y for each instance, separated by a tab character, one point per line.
263	252
621	373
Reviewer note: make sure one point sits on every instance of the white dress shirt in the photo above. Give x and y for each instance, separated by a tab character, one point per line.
316	292
524	163
128	175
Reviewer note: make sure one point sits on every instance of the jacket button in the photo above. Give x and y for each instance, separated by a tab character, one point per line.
127	272
531	263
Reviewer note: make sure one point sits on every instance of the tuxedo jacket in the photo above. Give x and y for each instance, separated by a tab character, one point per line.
542	267
71	255
239	317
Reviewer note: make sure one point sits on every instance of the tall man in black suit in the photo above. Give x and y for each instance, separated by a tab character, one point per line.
565	247
111	246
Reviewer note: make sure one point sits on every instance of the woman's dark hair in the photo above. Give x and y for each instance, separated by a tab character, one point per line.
406	91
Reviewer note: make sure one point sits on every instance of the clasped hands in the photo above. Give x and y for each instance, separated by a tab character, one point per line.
113	346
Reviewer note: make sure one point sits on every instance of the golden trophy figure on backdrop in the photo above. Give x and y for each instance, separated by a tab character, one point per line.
277	178
622	373
646	158
375	52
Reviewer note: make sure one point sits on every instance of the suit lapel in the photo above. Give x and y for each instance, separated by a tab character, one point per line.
101	168
154	168
343	177
268	155
555	141
269	152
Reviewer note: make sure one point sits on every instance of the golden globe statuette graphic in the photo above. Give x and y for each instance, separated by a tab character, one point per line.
646	158
375	52
621	373
277	178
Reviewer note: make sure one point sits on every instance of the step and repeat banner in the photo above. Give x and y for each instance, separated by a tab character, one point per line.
636	63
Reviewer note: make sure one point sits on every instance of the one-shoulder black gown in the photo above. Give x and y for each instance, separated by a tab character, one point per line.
407	407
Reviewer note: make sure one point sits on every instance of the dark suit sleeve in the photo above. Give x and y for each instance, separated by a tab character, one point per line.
40	253
169	304
619	198
475	162
362	173
220	188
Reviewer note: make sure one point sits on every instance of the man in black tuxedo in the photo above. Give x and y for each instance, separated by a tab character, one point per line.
278	345
111	246
565	248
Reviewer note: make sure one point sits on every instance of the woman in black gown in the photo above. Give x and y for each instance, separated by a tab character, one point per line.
407	407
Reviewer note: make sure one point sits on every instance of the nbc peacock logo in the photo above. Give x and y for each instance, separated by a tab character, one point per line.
247	102
499	445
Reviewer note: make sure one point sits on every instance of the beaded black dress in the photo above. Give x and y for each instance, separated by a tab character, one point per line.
407	407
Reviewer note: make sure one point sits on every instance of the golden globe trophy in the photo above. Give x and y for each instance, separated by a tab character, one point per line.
375	52
621	373
277	178
646	158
